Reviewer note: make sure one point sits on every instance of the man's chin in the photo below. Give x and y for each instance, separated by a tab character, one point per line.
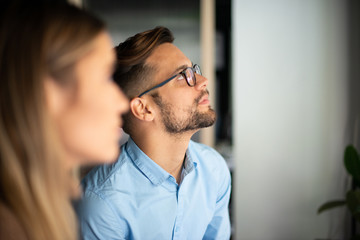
205	109
208	119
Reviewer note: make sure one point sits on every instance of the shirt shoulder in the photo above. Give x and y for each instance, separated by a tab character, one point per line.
205	155
99	177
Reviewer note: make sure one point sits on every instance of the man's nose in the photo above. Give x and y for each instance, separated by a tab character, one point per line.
201	82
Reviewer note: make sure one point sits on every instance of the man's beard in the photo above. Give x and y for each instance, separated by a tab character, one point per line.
194	121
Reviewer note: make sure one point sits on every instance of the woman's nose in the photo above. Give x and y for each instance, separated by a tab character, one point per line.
123	101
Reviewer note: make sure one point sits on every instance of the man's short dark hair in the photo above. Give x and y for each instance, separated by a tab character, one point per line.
131	72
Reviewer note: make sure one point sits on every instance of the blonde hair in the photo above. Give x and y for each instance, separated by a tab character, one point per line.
37	41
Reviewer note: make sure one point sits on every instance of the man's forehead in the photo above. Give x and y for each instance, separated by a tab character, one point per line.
167	53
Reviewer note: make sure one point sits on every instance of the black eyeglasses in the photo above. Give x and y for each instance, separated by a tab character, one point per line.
188	73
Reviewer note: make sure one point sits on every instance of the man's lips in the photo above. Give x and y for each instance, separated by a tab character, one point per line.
204	100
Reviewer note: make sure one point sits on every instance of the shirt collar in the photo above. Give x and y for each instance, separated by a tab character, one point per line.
148	167
189	163
191	157
153	171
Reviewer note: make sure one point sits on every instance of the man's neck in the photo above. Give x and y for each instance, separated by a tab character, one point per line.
167	150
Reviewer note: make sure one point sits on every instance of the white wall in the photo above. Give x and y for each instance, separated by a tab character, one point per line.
289	106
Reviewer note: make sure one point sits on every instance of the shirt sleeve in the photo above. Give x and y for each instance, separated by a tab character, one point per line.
219	227
98	219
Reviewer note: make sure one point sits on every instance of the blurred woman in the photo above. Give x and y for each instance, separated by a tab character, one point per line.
59	109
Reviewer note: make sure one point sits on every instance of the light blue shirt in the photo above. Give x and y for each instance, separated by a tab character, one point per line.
134	198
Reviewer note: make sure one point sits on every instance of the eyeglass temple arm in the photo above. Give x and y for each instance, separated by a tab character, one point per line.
157	86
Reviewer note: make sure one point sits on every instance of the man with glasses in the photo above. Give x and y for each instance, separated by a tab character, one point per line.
163	185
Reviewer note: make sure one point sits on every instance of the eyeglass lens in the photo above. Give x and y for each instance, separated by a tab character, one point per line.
190	77
197	69
190	74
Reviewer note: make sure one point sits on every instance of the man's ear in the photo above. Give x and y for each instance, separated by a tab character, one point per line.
141	109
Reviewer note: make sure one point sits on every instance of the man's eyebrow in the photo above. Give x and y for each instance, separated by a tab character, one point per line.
182	67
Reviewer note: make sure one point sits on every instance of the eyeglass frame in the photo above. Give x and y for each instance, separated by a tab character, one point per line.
195	69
